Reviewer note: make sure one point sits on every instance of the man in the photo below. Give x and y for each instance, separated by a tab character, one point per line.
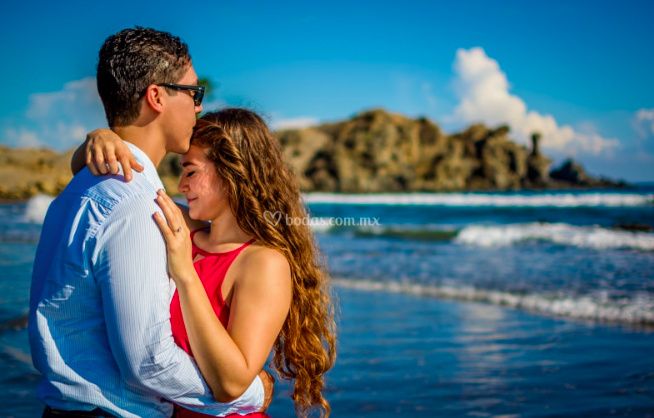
99	305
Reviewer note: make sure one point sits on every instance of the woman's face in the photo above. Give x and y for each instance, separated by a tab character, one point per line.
201	185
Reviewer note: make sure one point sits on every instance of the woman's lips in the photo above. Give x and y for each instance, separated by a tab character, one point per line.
191	200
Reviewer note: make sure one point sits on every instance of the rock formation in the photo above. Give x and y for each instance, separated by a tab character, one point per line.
571	172
26	172
377	151
374	151
537	164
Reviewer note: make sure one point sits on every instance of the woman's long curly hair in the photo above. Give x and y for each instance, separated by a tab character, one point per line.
264	196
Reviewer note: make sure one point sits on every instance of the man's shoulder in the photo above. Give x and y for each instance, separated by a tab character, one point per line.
110	191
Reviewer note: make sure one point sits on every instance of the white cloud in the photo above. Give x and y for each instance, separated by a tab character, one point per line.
23	138
76	95
644	122
294	123
483	92
58	119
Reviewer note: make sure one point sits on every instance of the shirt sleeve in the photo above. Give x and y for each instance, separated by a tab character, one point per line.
131	269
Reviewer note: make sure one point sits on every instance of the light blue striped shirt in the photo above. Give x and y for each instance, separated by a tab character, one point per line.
99	322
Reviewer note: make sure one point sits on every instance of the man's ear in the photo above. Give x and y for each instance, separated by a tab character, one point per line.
155	98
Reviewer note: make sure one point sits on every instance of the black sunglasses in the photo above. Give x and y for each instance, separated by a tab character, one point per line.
198	91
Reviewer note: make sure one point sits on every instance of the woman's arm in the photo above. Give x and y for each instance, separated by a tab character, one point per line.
229	359
101	152
79	160
105	145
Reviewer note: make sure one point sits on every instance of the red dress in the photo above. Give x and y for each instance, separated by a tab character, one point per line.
211	269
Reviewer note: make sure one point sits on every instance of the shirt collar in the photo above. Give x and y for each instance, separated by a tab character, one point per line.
149	170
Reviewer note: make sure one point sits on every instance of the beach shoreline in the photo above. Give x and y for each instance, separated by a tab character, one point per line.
404	355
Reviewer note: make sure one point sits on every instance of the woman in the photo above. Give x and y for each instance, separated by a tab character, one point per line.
246	283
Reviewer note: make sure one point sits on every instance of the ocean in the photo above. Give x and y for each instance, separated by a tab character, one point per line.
513	304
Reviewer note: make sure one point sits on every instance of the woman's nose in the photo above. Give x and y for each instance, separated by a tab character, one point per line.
182	186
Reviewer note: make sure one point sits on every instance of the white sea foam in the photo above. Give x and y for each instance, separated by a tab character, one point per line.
486	199
637	310
36	208
321	224
559	233
326	224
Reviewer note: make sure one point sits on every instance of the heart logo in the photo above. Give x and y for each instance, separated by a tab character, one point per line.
273	217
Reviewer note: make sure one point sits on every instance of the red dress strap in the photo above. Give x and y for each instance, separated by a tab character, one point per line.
198	250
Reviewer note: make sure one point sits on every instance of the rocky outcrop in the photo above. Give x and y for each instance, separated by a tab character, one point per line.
374	151
537	164
377	151
571	172
26	172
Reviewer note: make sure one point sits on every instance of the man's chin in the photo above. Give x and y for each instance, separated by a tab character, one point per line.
187	146
182	149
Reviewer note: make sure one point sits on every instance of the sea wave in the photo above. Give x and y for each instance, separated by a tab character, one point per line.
321	224
635	310
427	232
596	237
562	200
36	208
560	233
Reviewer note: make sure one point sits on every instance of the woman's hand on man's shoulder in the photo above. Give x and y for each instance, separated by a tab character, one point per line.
104	150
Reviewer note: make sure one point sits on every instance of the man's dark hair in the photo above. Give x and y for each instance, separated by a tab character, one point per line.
129	62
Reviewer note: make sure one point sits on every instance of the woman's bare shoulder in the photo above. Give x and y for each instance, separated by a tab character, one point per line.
260	254
263	263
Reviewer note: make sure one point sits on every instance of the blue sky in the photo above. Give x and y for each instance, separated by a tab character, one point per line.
578	71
